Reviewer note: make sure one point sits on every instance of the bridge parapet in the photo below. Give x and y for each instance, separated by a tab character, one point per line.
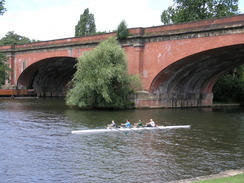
202	25
179	64
139	33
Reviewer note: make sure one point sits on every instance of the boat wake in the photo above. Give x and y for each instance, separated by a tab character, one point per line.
127	129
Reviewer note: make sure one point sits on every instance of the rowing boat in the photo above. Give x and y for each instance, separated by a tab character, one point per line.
127	129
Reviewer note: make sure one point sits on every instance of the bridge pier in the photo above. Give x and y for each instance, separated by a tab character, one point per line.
144	99
51	93
179	64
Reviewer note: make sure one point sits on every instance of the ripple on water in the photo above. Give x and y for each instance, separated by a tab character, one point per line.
37	146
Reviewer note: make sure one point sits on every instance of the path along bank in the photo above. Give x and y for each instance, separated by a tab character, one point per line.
227	173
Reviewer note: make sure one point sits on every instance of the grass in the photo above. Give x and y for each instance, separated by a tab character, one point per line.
232	179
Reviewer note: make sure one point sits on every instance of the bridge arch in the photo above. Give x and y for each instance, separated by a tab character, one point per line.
49	76
191	79
179	64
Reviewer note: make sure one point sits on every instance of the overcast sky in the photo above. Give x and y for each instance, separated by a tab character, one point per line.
56	19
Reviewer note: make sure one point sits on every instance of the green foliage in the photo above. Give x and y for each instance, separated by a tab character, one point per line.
3	68
231	179
2	9
101	79
122	31
230	87
193	10
11	39
86	25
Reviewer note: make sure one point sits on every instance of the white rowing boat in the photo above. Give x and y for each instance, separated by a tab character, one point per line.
127	129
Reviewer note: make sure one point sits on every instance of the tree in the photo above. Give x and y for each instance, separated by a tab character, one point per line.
3	60
11	39
86	25
193	10
122	31
2	9
230	87
3	68
101	79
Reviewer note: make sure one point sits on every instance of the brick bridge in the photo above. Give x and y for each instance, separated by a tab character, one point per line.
179	64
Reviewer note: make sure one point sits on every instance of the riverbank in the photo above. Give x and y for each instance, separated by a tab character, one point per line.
226	105
227	173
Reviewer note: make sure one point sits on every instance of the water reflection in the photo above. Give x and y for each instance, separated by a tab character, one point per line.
37	146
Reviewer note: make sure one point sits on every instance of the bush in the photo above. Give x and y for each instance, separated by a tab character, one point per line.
102	79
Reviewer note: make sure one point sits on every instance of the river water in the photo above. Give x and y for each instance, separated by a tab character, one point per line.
37	145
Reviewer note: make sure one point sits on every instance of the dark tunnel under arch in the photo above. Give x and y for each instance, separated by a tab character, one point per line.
193	77
48	77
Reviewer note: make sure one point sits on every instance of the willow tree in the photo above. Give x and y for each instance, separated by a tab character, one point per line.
101	79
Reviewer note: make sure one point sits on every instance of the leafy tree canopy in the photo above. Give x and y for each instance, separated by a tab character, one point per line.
102	80
2	9
86	25
11	39
230	87
193	10
122	31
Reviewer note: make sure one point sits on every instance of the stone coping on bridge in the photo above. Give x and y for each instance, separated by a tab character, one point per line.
196	26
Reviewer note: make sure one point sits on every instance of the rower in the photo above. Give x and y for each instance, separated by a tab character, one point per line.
151	123
126	124
138	124
112	125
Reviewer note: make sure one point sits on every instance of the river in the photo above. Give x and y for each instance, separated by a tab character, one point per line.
37	145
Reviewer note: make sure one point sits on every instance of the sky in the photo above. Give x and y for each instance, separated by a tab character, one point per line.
56	19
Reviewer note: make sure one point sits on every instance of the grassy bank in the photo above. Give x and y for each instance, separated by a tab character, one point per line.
232	179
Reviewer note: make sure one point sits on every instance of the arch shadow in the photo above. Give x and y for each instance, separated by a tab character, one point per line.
48	77
193	77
